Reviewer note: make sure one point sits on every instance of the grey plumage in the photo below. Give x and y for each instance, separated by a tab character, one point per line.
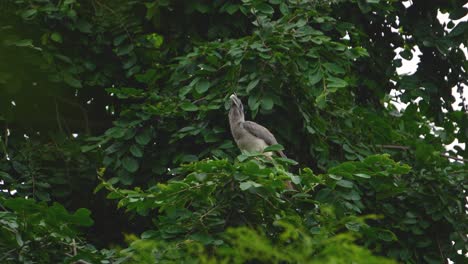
249	136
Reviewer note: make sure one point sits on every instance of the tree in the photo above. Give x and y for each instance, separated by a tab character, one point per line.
115	113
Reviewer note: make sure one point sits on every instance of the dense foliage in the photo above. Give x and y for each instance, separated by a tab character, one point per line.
116	147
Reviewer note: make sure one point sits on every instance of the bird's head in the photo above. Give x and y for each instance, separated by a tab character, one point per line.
235	101
237	108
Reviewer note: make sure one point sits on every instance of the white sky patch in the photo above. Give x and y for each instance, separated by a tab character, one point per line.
408	67
346	37
407	3
452	145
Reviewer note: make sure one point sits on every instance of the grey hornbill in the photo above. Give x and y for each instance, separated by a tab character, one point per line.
249	136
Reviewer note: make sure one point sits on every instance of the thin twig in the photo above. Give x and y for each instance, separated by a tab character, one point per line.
208	212
440	249
83	111
57	116
199	99
266	200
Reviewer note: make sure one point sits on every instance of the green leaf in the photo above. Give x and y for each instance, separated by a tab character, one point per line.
202	86
348	149
5	176
253	103
362	175
18	204
315	78
352	195
334	68
334	82
144	137
242	157
276	147
267	103
189	106
156	39
133	70
184	91
130	164
353	226
321	100
386	235
28	14
252	85
461	28
249	184
83	217
265	8
118	40
335	177
70	80
295	179
19	240
136	151
284	8
87	148
129	62
232	8
345	183
84	26
124	50
406	54
23	43
56	37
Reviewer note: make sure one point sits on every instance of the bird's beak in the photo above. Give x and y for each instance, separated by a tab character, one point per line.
235	100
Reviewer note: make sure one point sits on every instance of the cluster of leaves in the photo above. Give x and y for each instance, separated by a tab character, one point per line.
36	233
135	89
243	211
46	172
245	244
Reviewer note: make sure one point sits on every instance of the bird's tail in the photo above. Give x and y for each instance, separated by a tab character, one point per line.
281	153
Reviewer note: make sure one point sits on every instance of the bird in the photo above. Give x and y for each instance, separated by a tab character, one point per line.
249	136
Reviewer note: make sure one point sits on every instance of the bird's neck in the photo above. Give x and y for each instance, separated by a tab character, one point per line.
235	118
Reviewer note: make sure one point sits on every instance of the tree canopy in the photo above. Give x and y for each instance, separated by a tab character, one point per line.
115	144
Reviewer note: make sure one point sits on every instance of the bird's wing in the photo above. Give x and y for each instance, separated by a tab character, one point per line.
262	133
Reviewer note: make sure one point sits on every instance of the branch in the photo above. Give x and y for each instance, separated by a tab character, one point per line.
453	157
393	147
74	247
